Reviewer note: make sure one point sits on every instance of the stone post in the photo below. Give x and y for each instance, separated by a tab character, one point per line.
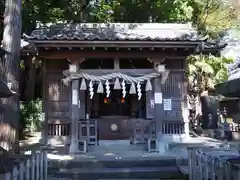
74	112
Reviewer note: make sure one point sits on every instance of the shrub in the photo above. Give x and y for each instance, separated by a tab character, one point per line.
30	116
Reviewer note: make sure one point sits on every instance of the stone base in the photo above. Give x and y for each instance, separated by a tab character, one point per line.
73	149
58	140
166	139
152	145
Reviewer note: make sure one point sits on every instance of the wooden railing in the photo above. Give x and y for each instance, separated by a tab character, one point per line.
173	128
59	129
35	167
87	130
213	163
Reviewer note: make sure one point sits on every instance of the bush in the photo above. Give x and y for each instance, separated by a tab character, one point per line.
30	116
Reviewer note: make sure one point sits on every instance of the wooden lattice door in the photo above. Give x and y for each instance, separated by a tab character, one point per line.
88	131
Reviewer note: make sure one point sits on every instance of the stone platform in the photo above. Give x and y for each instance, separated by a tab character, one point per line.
120	160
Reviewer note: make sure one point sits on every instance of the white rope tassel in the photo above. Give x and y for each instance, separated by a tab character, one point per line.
124	92
139	90
148	86
100	87
117	84
132	89
83	86
66	81
107	88
164	76
91	92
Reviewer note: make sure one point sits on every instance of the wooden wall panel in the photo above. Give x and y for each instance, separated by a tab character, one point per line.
56	94
174	89
174	85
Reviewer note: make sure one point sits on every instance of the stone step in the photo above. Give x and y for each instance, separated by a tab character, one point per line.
170	172
154	162
54	178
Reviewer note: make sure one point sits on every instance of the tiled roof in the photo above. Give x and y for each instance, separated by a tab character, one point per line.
116	31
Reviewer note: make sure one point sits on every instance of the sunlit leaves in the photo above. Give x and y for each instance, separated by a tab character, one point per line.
214	16
206	71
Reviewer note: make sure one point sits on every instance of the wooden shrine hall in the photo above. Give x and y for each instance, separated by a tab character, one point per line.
115	81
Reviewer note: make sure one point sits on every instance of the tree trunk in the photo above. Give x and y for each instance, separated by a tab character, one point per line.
30	65
10	107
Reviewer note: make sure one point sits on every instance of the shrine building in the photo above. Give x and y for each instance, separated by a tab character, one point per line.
116	81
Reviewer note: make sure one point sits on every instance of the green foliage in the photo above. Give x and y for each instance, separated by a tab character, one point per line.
210	16
31	114
214	16
137	11
206	71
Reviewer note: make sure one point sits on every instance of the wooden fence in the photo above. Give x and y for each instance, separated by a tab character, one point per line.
213	164
34	167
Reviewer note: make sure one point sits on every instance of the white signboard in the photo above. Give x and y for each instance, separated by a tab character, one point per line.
167	104
74	97
158	98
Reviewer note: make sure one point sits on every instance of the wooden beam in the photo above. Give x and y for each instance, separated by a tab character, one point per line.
75	55
131	72
134	72
116	63
145	44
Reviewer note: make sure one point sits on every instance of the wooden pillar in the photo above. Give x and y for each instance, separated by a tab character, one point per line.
44	139
158	106
185	111
82	94
74	111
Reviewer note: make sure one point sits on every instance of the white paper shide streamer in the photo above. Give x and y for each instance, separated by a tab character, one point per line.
124	92
107	88
135	82
139	93
91	92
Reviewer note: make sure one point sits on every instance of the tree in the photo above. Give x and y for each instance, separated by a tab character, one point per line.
9	70
213	17
204	72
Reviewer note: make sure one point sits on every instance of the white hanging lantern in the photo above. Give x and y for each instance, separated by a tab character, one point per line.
139	93
83	86
132	89
117	84
100	87
148	85
91	92
107	88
